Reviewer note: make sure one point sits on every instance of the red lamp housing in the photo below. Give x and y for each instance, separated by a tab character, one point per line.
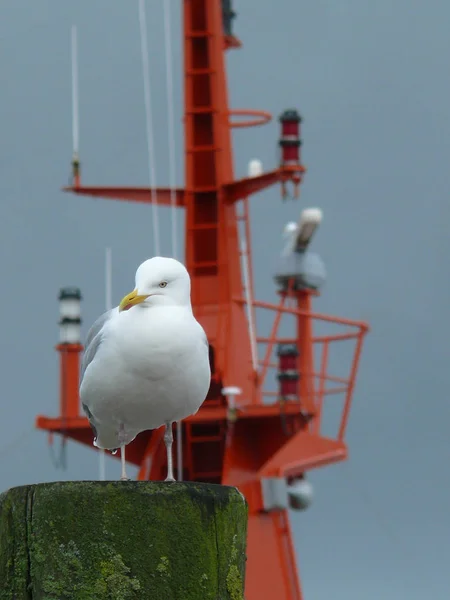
290	141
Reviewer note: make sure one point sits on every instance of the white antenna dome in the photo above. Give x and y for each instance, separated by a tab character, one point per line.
289	228
255	168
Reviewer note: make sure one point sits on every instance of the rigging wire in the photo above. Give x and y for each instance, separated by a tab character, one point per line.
249	302
75	114
150	144
172	182
108	306
108	279
149	123
170	125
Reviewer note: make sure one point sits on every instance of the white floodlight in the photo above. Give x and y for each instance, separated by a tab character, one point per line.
300	494
230	392
255	168
309	221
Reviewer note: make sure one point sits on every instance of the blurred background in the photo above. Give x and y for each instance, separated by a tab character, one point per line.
371	82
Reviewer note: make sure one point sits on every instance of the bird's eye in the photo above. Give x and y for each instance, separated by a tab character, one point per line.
163	284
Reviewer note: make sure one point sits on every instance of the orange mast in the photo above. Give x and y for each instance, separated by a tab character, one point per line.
235	438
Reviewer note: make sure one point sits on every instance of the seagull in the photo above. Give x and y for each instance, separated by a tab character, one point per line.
146	361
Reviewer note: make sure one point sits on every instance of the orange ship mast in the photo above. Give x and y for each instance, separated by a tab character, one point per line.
236	438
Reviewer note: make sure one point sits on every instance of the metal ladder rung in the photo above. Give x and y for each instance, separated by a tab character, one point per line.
206	263
206	438
201	110
198	34
204	189
202	71
210	148
200	226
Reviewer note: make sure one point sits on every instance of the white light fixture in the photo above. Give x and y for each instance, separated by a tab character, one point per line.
309	221
70	315
255	168
274	494
300	494
289	234
230	392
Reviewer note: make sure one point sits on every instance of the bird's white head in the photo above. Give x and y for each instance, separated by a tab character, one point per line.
159	281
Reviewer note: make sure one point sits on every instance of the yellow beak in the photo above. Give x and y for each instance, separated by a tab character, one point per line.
130	300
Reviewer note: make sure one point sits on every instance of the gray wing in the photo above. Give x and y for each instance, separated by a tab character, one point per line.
94	339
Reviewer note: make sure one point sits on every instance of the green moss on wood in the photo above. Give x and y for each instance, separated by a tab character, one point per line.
235	583
121	541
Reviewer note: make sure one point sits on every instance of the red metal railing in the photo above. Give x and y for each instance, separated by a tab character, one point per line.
323	381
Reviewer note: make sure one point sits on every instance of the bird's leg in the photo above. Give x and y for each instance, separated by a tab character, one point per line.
123	476
168	440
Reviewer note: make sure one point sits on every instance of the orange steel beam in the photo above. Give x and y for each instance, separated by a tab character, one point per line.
234	191
271	568
351	385
260	117
318	376
212	250
271	564
299	312
305	358
205	415
322	391
327	392
302	452
143	195
231	42
237	190
340	337
69	361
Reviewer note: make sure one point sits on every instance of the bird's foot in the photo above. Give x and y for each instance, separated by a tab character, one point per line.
171	479
125	478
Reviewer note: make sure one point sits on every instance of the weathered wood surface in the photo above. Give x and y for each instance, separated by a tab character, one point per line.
92	540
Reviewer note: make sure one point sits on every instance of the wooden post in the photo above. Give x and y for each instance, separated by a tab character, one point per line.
95	540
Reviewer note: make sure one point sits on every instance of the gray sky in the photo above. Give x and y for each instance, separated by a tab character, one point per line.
371	82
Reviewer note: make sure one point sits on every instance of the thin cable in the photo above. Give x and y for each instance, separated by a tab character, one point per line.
75	117
108	306
108	279
249	303
170	125
149	123
172	183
